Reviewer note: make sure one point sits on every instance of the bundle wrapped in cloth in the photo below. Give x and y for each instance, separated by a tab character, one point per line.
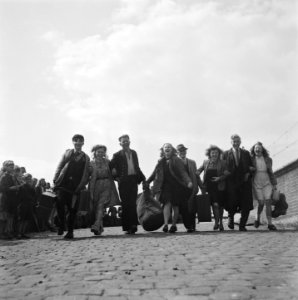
280	205
149	211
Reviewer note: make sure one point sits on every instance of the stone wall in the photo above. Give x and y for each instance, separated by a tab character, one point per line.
287	183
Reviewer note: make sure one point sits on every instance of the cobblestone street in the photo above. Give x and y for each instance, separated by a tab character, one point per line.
204	265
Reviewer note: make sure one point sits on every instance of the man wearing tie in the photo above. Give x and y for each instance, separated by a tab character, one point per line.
126	170
239	187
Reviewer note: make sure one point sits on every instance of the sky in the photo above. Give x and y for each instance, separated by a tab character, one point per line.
178	71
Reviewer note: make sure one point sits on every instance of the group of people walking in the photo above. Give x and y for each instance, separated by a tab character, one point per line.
231	178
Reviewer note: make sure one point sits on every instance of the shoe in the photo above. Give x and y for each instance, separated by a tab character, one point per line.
242	228
231	223
173	229
190	230
60	231
95	231
128	232
221	228
215	227
8	236
69	235
272	227
133	229
257	223
165	228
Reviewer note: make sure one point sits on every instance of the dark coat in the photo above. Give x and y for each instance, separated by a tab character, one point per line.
119	163
177	170
9	198
221	168
239	191
62	169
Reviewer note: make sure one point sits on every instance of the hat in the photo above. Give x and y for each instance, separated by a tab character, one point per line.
181	147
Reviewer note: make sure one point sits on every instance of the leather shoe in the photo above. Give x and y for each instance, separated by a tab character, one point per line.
173	229
221	228
69	235
165	228
95	231
272	227
216	227
133	229
190	230
242	228
257	223
60	231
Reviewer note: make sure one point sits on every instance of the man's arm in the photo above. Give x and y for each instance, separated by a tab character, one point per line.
60	166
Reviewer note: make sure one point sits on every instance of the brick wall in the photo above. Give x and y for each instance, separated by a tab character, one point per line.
287	183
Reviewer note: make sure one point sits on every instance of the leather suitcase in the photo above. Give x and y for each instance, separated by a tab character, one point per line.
203	208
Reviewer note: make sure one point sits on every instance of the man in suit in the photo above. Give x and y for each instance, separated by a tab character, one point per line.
71	176
239	186
126	170
187	206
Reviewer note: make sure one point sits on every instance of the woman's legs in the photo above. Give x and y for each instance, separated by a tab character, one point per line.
268	211
215	209
174	218
175	215
167	212
260	209
97	227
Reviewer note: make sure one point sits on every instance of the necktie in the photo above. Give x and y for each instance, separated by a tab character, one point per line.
237	157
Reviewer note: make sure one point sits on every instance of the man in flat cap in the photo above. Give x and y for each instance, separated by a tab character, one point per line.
71	176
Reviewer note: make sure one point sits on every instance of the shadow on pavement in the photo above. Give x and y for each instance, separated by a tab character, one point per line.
159	235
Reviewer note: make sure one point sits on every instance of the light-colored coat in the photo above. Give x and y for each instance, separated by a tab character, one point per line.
268	162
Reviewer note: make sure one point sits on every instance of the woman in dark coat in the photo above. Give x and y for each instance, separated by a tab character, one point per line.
28	200
9	199
171	184
215	172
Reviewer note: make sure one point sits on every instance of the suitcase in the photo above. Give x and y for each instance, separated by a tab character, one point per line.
203	208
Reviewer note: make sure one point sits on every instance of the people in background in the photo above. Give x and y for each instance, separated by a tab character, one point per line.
27	202
9	199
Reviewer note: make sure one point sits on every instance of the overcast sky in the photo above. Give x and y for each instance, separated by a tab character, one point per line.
184	71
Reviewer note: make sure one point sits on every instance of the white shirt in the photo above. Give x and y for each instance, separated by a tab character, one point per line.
130	165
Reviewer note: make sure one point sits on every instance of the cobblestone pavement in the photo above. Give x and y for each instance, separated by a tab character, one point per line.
204	265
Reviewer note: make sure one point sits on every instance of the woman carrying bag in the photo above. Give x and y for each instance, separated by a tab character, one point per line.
264	182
